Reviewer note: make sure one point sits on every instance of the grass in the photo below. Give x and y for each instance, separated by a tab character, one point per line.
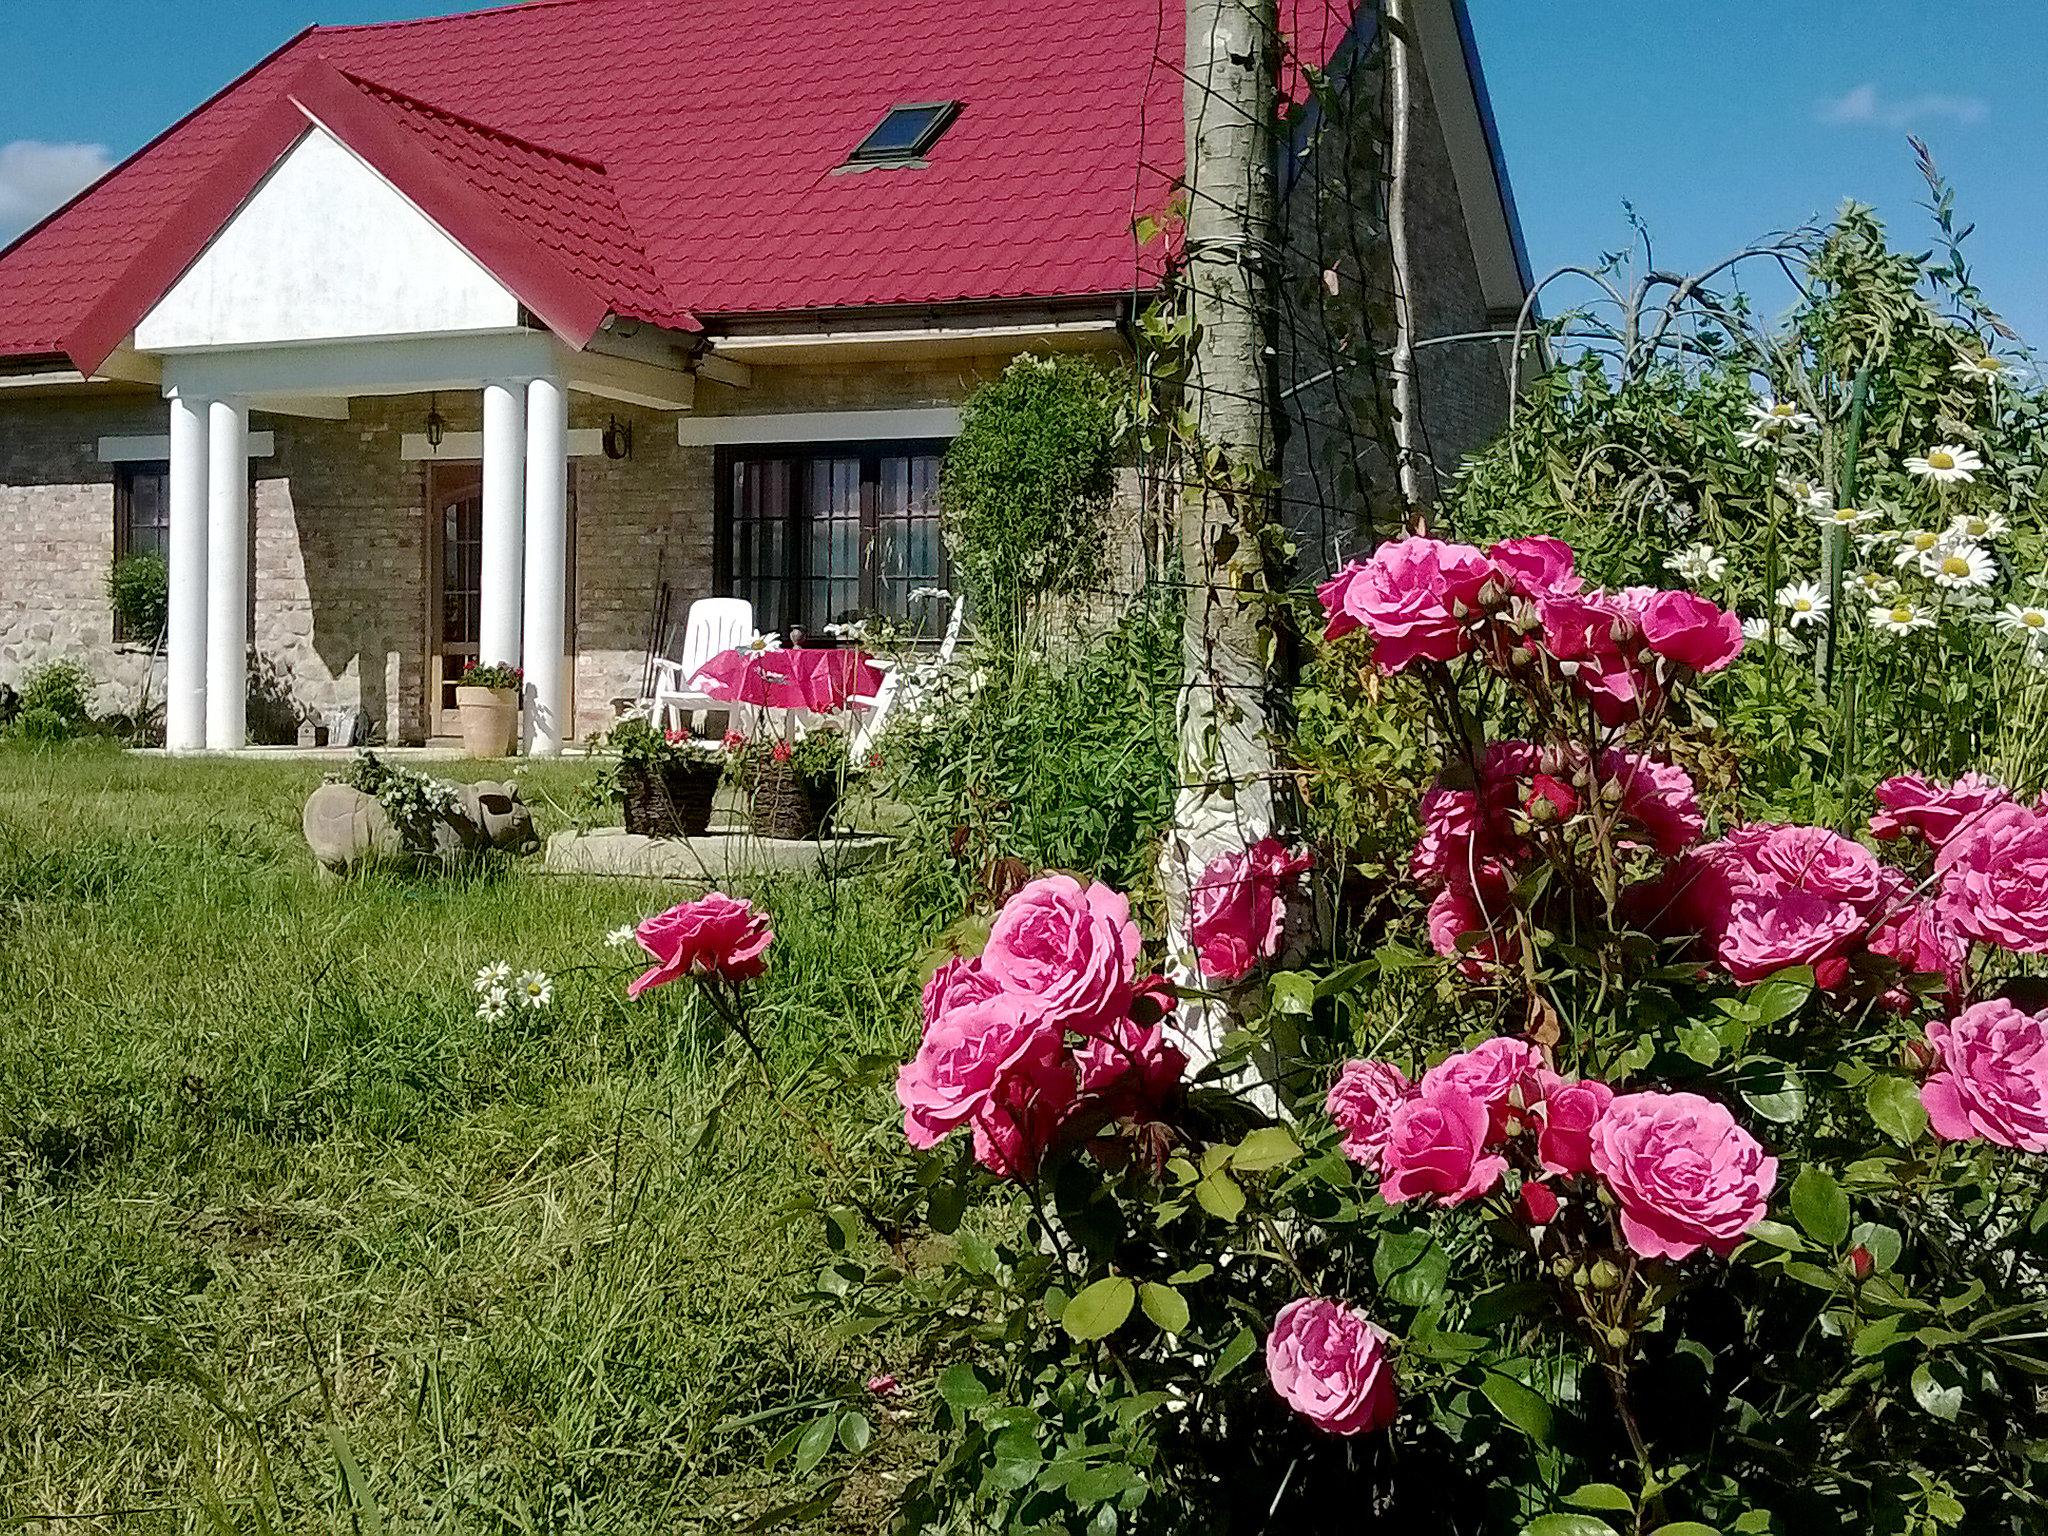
291	1240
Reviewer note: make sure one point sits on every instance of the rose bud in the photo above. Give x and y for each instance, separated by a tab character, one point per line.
1539	1204
1860	1263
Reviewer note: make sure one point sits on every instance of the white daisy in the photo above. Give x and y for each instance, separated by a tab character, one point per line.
760	642
1960	566
534	989
1900	618
496	974
1978	368
1873	583
1764	632
1697	563
1977	527
1779	416
1804	603
1814	498
622	937
1947	464
494	1005
1917	544
1850	518
2021	619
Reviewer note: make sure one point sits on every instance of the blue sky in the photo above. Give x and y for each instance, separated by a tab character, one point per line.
1719	119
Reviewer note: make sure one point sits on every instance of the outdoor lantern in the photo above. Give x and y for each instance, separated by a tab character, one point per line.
436	427
618	439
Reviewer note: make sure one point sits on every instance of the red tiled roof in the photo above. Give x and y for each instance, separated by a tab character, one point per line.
681	157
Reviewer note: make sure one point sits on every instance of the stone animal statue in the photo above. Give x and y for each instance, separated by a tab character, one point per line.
349	830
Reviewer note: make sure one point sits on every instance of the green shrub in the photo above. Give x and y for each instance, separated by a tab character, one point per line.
1028	483
41	726
63	689
139	590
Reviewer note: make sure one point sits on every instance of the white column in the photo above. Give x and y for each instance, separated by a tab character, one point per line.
227	577
501	563
185	664
547	551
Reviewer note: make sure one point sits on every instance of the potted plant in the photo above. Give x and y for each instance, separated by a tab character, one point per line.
666	780
488	697
791	783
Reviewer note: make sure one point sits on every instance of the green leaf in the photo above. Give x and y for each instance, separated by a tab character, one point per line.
1100	1309
1778	1235
1018	1458
855	1431
1820	1207
1773	1090
1700	1043
960	1388
1164	1305
1235	1353
1895	1106
1292	992
1520	1406
1686	1528
815	1441
1938	1390
1268	1147
1780	996
1220	1195
1411	1268
1567	1525
1601	1496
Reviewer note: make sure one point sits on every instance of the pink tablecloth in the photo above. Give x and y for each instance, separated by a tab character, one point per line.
821	680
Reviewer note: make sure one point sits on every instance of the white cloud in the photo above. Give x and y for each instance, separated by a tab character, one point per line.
1865	106
35	176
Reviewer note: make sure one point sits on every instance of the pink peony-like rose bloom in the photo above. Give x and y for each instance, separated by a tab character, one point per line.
1766	933
1502	1074
1994	878
1935	811
1475	907
967	1051
1689	631
1923	943
1340	617
1597	641
1331	1365
957	981
1992	1077
1566	1114
1071	947
713	936
1362	1103
1017	1122
1132	1068
1417	598
1813	859
1536	567
1436	1148
1683	1173
1239	907
1451	836
1658	797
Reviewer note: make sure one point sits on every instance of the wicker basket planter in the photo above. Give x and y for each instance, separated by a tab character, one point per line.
783	802
671	801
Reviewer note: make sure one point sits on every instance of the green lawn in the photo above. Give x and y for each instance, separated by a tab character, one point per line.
290	1240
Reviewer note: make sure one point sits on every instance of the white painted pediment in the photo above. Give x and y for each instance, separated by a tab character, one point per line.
326	250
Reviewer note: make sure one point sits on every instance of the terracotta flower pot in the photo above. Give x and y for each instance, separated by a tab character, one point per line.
490	720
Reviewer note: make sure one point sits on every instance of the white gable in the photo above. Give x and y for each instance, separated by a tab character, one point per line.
325	250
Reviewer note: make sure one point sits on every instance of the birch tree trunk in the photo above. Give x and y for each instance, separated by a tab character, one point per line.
1226	801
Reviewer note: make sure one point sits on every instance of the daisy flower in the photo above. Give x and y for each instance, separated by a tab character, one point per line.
1977	527
1947	464
1697	563
760	642
1779	416
1958	567
1874	584
496	974
494	1005
2021	619
1900	618
1979	369
1815	498
534	989
1917	544
621	937
1764	632
1849	518
1804	603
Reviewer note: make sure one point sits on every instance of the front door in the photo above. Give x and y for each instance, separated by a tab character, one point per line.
455	541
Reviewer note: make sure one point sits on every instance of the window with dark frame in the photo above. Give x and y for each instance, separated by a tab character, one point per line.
905	133
827	533
142	520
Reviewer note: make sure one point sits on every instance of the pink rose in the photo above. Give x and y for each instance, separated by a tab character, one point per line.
1923	943
957	981
1538	1201
1436	1147
1335	594
1475	907
1017	1122
1071	947
1992	1081
1814	859
965	1054
1683	1173
1131	1067
1994	878
1362	1103
1239	907
1766	933
1567	1114
1536	567
1658	797
1935	811
1550	799
711	936
1501	1073
1331	1365
1689	631
1451	835
1597	643
1418	598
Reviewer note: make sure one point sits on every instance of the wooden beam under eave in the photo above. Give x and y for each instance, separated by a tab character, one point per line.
632	383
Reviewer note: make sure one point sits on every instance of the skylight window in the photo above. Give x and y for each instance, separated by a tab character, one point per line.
905	133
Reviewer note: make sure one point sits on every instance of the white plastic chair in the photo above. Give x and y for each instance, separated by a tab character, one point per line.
714	624
872	711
